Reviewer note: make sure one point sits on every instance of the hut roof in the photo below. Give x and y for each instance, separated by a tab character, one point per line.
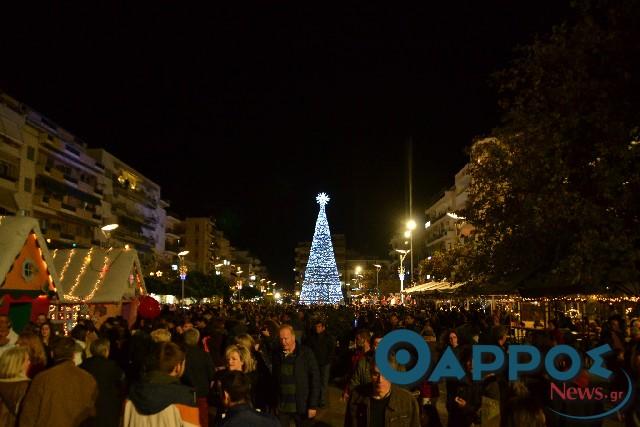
14	232
98	275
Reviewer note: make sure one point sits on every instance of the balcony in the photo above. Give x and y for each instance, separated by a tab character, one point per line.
131	236
70	178
68	207
72	149
57	173
172	232
435	218
172	248
440	235
9	171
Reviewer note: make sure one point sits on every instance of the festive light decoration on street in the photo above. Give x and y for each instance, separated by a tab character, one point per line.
85	264
96	285
66	264
321	283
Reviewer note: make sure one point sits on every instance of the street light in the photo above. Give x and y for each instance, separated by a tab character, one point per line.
110	227
378	267
106	231
411	225
403	253
183	271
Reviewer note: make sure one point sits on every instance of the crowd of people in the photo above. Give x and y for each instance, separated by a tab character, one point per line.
272	365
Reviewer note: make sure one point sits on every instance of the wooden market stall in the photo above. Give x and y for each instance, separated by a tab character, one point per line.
27	271
97	283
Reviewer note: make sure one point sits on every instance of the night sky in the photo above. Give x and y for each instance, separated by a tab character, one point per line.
246	111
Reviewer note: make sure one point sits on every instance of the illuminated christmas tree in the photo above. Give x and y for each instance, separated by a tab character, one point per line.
321	283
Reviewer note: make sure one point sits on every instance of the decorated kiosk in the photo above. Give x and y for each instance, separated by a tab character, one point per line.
27	271
96	284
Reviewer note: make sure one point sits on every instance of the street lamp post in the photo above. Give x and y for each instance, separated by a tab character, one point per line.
183	272
411	225
403	253
378	267
106	232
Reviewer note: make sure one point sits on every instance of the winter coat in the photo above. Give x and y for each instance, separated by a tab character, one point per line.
159	390
109	378
12	392
198	371
158	399
323	346
307	376
63	396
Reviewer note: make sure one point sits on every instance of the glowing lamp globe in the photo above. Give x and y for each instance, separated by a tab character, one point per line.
149	308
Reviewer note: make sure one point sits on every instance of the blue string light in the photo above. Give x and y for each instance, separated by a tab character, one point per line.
321	283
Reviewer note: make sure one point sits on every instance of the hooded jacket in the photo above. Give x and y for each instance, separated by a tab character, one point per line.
161	400
158	391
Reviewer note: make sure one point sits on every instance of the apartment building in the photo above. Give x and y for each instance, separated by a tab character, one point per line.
133	202
443	224
17	160
199	240
51	176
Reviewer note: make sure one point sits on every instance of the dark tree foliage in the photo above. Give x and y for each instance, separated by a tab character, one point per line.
555	193
248	292
197	285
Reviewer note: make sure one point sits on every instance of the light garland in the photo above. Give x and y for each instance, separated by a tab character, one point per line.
66	265
85	264
100	280
321	283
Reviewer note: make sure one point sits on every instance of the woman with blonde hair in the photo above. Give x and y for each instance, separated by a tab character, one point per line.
261	378
14	382
239	358
35	348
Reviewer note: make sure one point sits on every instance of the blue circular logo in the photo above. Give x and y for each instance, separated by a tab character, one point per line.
391	342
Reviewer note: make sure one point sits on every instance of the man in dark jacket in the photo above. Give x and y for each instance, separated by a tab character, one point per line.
381	403
295	371
161	387
236	389
110	379
323	346
198	372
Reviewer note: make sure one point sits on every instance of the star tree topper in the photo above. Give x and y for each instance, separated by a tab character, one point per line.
322	199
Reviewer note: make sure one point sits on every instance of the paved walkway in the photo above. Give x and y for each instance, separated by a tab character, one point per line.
333	414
